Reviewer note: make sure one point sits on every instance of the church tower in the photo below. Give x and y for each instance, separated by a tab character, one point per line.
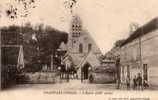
75	35
82	51
80	41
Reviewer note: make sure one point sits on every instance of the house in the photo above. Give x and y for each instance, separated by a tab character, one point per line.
139	54
12	62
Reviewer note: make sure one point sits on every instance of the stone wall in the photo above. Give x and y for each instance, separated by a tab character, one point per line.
41	78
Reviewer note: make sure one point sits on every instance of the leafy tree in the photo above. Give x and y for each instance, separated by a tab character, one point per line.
37	50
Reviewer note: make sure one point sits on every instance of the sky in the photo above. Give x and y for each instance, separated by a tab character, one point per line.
106	20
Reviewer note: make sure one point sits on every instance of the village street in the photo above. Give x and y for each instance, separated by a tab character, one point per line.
63	85
71	85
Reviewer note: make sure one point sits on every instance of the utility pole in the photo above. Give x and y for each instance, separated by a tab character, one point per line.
140	48
118	72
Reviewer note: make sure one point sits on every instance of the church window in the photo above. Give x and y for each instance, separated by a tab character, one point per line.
81	48
89	47
74	41
76	34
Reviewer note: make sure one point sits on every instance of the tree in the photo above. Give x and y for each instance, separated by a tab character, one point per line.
36	51
49	41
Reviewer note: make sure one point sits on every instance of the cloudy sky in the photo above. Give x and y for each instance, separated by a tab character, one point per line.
106	20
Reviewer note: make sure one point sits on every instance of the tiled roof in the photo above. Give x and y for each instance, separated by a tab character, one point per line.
149	27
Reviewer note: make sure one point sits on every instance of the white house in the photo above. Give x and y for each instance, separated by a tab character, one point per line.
139	54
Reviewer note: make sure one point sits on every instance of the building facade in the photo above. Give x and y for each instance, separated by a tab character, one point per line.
139	54
80	40
81	48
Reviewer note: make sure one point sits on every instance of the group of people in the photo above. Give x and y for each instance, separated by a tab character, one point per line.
67	73
138	82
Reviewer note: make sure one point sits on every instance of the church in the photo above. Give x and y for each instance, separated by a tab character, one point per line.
81	50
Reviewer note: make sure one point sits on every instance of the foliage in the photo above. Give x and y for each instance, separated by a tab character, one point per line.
39	42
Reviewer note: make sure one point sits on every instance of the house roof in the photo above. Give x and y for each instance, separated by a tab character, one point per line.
145	29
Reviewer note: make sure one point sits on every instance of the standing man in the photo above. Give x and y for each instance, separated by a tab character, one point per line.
128	82
67	68
135	82
139	80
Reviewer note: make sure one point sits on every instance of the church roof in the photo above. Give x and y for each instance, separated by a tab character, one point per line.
80	59
90	58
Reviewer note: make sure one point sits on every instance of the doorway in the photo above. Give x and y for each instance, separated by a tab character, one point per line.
85	71
128	71
145	72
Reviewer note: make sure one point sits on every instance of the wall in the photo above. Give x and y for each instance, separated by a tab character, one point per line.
130	56
84	38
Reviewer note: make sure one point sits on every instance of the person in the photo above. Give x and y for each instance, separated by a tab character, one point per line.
62	71
75	74
128	82
59	69
68	74
82	77
91	79
67	70
135	82
139	81
145	84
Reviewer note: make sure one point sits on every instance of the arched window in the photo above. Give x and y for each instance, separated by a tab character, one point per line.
80	48
89	47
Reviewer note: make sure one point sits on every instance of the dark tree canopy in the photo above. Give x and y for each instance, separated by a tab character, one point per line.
39	43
